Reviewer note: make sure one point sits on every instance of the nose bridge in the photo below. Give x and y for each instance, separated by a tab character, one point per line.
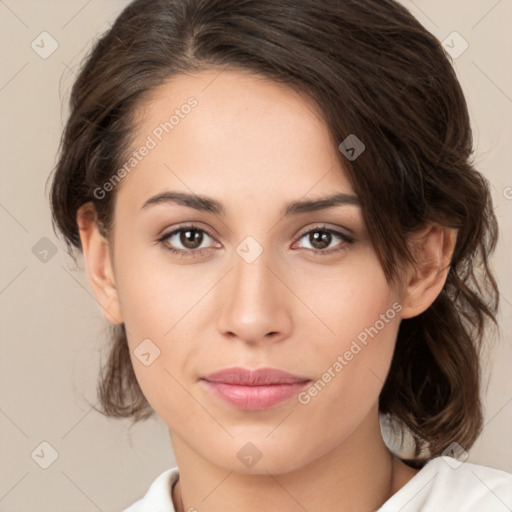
253	304
251	278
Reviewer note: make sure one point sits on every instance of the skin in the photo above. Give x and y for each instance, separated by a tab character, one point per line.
256	145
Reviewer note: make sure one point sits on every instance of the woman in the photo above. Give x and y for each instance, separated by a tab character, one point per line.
279	216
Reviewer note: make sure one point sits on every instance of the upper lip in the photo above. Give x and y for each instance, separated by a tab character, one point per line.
258	377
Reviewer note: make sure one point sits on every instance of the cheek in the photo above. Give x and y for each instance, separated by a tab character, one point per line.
355	302
157	297
361	316
161	303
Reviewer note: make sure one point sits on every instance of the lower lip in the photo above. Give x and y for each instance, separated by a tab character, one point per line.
254	397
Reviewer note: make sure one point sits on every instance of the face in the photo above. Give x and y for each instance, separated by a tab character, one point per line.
243	282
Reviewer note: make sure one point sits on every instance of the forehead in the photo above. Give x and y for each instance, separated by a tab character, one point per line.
230	135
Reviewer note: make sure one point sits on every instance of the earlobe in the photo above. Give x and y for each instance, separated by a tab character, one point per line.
433	250
98	263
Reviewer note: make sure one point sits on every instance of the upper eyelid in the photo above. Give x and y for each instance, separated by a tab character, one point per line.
324	227
184	228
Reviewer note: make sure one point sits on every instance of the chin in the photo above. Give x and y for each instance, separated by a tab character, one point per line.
260	457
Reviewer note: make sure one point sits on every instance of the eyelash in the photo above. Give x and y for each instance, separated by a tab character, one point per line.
200	252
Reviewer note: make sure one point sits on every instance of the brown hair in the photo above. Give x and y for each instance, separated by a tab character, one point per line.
374	71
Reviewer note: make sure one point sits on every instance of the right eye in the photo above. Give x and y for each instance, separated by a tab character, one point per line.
190	238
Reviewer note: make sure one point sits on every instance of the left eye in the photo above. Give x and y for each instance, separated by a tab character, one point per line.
320	239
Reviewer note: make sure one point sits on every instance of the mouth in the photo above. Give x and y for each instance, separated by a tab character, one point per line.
254	389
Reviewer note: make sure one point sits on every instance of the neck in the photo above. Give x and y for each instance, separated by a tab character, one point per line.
359	474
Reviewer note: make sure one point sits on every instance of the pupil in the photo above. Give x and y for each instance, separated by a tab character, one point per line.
320	239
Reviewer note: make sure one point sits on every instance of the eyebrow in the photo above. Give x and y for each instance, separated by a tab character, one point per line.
210	205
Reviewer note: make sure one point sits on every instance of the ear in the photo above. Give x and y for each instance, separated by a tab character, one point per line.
432	248
97	257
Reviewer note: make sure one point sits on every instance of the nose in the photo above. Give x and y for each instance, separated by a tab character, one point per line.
255	302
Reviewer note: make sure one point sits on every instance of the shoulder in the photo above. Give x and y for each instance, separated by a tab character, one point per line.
444	483
158	496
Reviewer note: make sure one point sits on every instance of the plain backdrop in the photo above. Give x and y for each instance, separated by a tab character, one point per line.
52	328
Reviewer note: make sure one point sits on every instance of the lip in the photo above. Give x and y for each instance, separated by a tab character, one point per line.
254	389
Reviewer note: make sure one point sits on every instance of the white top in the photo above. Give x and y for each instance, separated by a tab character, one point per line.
442	485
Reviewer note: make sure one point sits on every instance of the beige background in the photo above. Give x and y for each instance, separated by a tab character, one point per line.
53	330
